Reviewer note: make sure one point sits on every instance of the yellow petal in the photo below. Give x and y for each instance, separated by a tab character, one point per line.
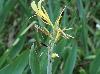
45	12
39	4
60	16
57	36
41	13
39	8
64	35
34	7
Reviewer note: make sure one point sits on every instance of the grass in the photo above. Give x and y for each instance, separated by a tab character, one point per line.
23	49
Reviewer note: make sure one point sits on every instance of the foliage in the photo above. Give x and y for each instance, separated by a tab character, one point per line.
23	48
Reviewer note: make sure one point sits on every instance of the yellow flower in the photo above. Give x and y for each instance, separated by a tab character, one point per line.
41	13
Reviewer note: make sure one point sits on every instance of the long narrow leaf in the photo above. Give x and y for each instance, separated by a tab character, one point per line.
70	63
17	66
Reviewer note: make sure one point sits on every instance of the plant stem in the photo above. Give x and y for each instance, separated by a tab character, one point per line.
50	60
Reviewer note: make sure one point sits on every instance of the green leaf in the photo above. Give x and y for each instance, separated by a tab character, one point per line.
95	65
17	66
60	49
34	61
20	41
14	51
83	22
44	60
70	63
3	58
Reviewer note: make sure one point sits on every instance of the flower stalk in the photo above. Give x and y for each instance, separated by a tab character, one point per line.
50	60
55	35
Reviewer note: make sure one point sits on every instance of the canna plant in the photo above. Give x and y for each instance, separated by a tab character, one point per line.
55	33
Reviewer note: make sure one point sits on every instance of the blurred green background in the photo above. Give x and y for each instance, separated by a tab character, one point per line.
17	34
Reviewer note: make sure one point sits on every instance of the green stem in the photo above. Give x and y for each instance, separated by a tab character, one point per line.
50	60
